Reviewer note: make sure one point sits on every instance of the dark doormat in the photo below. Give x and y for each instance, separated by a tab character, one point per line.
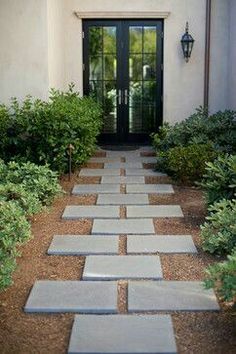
120	147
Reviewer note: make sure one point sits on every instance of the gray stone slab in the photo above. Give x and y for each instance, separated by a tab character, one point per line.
124	165
122	226
150	188
122	153
161	244
72	212
104	159
95	188
122	267
170	296
83	245
122	334
72	296
123	179
143	172
142	159
97	172
154	211
122	199
147	148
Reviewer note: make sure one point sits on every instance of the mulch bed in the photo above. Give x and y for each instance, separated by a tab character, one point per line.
20	333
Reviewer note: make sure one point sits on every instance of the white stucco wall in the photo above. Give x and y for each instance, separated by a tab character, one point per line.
56	44
232	56
219	74
23	49
183	83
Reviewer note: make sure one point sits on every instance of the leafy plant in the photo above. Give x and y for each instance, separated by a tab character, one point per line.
187	163
14	230
28	201
222	277
37	180
41	132
219	181
219	231
199	128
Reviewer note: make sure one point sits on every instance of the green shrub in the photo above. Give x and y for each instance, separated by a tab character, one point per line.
14	230
4	122
41	132
222	277
187	164
219	231
28	201
219	181
199	128
37	180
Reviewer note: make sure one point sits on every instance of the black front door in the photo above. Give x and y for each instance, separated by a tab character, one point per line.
123	71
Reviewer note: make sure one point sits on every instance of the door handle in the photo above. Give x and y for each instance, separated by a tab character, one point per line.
126	96
119	97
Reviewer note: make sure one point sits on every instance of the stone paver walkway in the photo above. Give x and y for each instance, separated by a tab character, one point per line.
123	246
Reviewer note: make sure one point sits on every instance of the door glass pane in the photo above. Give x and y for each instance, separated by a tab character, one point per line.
109	40
149	91
95	68
149	66
109	70
135	119
109	106
135	39
136	67
149	40
135	91
95	40
103	72
96	90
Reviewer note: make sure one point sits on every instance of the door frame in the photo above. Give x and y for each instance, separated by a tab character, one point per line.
123	112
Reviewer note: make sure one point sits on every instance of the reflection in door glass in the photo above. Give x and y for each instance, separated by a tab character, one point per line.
103	72
142	74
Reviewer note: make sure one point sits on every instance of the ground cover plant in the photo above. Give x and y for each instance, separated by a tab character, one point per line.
25	189
219	231
41	132
219	180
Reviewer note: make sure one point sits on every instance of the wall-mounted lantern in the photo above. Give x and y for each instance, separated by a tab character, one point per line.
187	44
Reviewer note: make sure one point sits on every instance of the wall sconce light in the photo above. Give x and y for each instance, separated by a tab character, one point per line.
187	42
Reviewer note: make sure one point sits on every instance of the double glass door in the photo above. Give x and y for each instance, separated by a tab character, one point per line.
123	71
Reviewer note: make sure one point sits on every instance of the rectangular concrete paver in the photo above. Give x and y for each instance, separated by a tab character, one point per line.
122	334
72	212
122	199
72	296
170	296
123	179
161	244
143	172
154	211
122	226
95	188
123	165
122	267
104	159
142	159
97	172
150	188
83	245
